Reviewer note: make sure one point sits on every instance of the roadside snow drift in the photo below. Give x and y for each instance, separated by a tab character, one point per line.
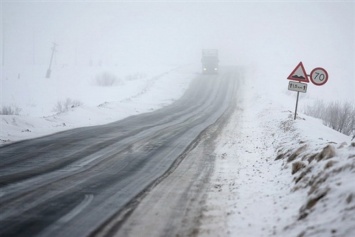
276	176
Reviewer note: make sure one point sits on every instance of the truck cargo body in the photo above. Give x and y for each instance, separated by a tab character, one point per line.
210	61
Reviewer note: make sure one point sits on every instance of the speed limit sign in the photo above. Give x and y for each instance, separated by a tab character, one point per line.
319	76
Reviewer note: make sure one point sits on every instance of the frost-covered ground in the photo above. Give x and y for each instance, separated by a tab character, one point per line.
83	96
273	177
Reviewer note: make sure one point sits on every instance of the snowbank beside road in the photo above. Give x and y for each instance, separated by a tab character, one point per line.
322	164
249	193
278	177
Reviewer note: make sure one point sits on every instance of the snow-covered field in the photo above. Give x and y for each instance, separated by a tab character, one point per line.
86	96
273	177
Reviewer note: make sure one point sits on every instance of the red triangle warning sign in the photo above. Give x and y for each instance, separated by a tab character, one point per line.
299	74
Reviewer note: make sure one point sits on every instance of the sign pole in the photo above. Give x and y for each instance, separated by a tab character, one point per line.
298	94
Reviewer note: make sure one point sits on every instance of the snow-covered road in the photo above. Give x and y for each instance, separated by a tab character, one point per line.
262	174
90	175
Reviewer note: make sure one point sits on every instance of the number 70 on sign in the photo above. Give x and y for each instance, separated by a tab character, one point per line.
319	76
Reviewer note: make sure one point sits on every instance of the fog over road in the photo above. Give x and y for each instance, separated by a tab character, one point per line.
88	181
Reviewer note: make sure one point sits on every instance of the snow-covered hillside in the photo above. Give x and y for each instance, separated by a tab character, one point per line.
273	176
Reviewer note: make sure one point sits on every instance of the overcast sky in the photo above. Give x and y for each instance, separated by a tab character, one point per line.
115	32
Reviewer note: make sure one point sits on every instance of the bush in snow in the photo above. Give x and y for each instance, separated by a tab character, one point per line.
10	110
65	105
340	117
135	76
106	79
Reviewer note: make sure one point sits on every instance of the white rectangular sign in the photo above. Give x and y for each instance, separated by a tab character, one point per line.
296	86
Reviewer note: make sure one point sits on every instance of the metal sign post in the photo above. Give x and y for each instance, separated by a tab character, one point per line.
299	87
298	95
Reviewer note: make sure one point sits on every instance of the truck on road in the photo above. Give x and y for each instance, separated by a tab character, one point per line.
209	61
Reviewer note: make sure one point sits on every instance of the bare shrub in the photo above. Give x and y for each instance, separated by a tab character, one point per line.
10	110
135	76
65	105
106	79
340	117
316	110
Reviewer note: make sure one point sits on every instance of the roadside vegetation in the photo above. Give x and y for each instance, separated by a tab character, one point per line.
338	116
10	110
106	79
65	105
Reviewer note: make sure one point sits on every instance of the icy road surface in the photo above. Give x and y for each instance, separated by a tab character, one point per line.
87	181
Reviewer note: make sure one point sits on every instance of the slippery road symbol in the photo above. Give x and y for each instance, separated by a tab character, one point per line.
297	77
299	74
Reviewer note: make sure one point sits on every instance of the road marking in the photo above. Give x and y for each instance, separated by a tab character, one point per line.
88	198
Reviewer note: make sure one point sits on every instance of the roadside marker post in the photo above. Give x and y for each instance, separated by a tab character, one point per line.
319	76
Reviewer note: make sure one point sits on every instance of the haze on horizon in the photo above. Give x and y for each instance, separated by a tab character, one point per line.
271	36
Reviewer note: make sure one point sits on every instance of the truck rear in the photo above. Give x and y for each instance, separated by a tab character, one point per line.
210	61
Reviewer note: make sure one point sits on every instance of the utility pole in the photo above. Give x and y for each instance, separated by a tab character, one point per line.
48	75
3	51
33	48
